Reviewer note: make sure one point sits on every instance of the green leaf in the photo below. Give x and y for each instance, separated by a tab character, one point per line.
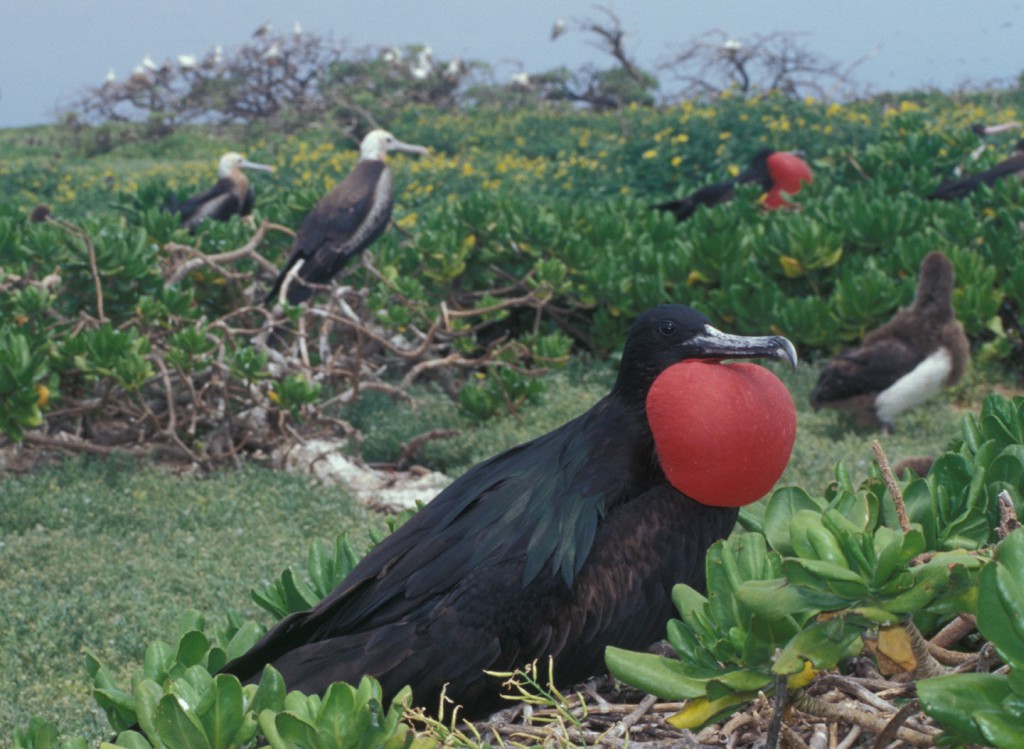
242	641
823	643
295	730
951	700
132	740
177	727
778	517
1001	729
775	599
147	698
224	718
270	692
653	674
1001	607
158	660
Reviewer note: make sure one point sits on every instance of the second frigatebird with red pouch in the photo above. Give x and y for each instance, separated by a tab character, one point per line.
558	547
777	172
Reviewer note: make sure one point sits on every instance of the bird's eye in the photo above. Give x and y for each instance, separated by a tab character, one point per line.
666	327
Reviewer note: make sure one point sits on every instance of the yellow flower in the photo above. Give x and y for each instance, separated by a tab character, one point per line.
677	160
650	153
407	221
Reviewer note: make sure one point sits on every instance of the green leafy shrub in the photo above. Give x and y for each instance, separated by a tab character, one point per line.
830	571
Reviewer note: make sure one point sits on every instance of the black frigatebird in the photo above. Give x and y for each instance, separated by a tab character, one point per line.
959	188
777	172
906	361
344	223
230	196
558	547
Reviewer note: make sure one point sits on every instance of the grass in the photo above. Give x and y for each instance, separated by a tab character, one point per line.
106	555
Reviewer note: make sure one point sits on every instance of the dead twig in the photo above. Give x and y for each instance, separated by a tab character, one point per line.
888	733
413	446
851	715
955	631
1008	521
198	259
90	250
890	482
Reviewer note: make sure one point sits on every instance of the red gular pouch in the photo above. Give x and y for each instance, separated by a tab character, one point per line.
723	432
788	173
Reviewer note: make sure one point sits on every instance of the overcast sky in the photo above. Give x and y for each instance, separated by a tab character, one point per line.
52	50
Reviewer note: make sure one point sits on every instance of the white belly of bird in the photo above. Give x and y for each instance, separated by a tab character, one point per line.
915	387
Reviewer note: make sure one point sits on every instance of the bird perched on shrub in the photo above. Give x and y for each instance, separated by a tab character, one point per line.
902	364
231	196
777	172
959	188
345	222
558	547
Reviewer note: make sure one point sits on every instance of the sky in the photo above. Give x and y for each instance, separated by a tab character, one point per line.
51	51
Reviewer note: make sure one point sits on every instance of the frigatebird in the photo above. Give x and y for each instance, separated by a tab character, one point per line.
905	362
345	222
230	196
777	172
558	547
959	188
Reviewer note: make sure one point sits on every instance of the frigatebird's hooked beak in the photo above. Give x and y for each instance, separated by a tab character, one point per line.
409	148
714	344
246	164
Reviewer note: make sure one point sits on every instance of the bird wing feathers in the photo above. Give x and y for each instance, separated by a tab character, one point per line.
708	195
869	368
218	203
483	618
535	505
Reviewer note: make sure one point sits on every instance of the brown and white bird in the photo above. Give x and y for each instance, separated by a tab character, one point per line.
902	364
231	196
344	223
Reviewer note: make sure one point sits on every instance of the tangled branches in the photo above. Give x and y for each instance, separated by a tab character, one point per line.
206	389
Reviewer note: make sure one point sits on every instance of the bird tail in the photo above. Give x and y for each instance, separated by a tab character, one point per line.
298	291
954	189
681	209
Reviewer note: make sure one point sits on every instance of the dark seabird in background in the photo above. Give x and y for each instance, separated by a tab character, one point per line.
959	188
902	364
345	222
231	196
777	172
558	547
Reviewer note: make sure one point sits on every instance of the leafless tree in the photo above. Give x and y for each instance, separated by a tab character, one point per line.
779	62
290	80
599	88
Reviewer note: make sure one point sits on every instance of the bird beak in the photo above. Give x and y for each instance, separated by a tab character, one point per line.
409	148
258	167
714	344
